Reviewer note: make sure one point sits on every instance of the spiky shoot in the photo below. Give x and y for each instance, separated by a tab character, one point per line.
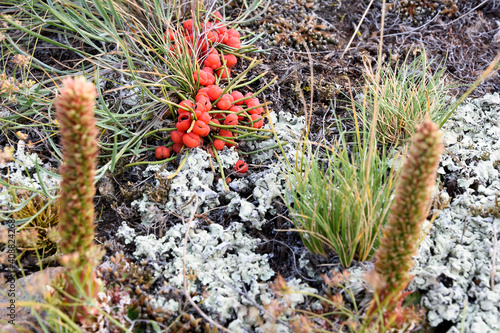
409	211
75	113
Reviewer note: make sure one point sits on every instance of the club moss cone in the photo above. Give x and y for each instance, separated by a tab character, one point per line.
75	113
409	210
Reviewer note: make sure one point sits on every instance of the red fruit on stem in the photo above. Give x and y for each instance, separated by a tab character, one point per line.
221	28
199	127
205	117
237	109
241	167
224	73
225	102
205	104
190	37
231	120
219	144
259	121
187	103
218	15
258	110
208	70
236	96
210	79
213	50
216	122
177	147
251	102
214	92
176	136
201	77
213	36
184	122
191	140
212	61
226	134
234	43
207	131
202	45
231	60
233	33
162	152
170	35
202	93
188	25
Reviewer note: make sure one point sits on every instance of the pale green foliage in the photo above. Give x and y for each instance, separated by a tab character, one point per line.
341	200
405	95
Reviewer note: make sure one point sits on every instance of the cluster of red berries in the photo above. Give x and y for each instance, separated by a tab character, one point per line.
214	114
211	113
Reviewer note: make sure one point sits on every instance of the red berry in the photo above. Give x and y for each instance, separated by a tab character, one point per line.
241	167
215	121
213	36
231	60
251	102
201	77
205	117
162	152
170	34
188	25
187	104
233	33
237	95
223	35
219	144
258	110
213	50
234	42
237	109
218	15
214	92
226	134
191	140
225	102
200	95
199	127
176	136
259	123
208	70
210	79
231	119
202	45
203	104
207	131
223	73
177	147
212	61
184	122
